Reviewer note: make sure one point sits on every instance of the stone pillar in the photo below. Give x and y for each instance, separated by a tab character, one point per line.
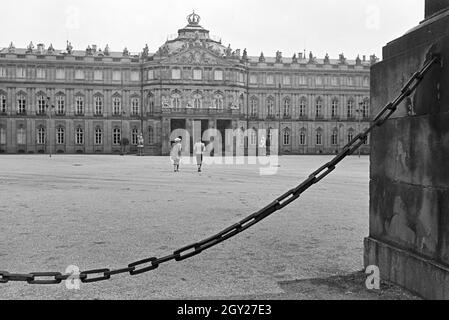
409	187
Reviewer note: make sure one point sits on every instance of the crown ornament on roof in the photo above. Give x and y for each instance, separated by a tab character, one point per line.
193	18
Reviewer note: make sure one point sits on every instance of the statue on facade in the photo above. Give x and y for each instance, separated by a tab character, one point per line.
294	59
11	47
125	52
69	48
342	58
89	51
278	57
373	59
106	50
145	51
311	58
327	59
30	48
50	49
358	61
228	51
262	57
245	55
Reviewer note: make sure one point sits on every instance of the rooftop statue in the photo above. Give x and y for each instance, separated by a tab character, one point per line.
145	51
193	18
126	52
342	58
278	57
228	51
11	47
327	59
358	61
294	59
106	50
373	59
30	47
245	55
312	59
89	51
262	57
69	48
50	49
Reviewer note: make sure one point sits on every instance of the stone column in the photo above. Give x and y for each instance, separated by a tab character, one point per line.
409	187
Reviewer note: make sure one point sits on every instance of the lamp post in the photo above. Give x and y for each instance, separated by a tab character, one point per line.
48	108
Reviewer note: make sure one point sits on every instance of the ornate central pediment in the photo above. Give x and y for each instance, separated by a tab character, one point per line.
196	56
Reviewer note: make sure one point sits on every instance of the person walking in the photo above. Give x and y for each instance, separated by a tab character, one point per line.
176	154
199	149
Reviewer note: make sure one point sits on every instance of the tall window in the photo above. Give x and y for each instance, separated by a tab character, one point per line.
98	105
60	135
197	101
287	80
350	108
2	135
98	75
79	106
150	74
98	136
319	108
116	136
253	137
286	137
135	75
41	103
218	101
2	103
334	108
254	107
21	104
302	138
3	72
21	72
197	74
116	106
135	106
270	107
40	135
218	75
302	107
270	79
150	103
365	108
79	136
116	75
176	101
40	73
350	135
334	138
79	74
287	108
60	74
319	138
134	137
60	105
21	136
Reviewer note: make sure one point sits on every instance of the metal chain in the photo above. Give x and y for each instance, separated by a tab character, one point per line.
194	249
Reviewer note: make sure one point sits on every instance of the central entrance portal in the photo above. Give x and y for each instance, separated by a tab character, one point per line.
222	126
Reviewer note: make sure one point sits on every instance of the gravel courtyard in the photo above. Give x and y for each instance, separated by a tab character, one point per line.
108	211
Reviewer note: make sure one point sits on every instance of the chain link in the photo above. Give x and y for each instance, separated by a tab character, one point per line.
196	248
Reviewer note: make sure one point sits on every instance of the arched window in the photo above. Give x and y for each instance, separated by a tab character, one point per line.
79	136
79	105
218	101
286	107
134	136
41	104
60	104
150	135
350	108
286	137
319	108
350	135
21	136
135	109
2	135
319	137
116	136
98	105
176	100
98	136
334	137
116	106
334	108
270	107
21	103
40	135
197	100
302	137
60	135
254	106
303	107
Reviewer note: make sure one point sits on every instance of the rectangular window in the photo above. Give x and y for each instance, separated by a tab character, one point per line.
253	79
241	77
334	81
60	105
150	74
98	136
21	73
135	76
176	74
79	106
21	136
2	104
135	106
40	73
287	80
2	135
3	73
197	74
218	75
318	81
116	76
79	74
302	80
98	75
270	79
60	74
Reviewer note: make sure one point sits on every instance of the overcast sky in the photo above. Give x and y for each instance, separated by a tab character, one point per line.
327	26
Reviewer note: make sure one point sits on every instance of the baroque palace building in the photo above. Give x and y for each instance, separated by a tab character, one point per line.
69	101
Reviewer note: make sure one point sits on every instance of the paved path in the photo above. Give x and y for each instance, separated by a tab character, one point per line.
107	211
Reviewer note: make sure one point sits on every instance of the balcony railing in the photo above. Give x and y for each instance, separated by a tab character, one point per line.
201	111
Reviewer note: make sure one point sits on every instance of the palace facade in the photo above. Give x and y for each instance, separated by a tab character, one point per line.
89	101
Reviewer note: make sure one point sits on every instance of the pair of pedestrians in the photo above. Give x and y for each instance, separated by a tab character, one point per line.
198	149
